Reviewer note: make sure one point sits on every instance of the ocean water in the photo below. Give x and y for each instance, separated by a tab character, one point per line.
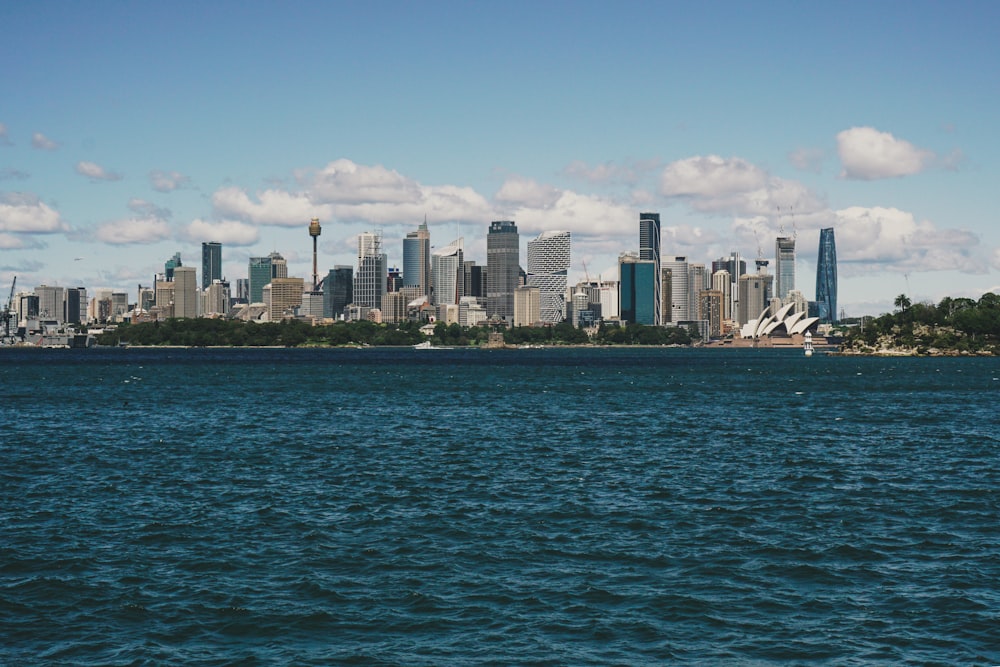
472	507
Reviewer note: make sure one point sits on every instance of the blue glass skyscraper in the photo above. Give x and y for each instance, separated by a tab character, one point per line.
826	277
636	282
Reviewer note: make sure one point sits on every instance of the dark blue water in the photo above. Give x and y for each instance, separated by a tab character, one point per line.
547	507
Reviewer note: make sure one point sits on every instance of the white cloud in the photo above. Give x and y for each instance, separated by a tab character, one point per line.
880	238
734	186
579	214
526	192
133	231
868	154
43	143
96	172
272	207
227	232
167	181
4	137
344	182
23	212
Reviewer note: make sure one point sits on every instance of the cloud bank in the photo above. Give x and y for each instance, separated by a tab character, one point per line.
867	154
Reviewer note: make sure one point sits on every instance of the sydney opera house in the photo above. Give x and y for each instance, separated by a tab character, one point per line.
783	328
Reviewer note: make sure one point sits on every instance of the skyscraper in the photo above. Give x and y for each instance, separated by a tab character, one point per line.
637	280
503	258
826	276
649	249
417	259
185	292
211	263
259	274
680	281
373	265
170	265
448	273
784	266
338	291
548	264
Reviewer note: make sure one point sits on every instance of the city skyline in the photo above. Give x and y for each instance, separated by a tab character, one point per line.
753	123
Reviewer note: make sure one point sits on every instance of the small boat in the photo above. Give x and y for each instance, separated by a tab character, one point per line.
807	346
426	345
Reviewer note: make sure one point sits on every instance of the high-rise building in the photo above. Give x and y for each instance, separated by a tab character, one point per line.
338	291
503	256
548	265
259	274
711	305
755	295
261	271
171	264
637	283
826	276
448	273
697	282
680	292
721	282
417	259
185	292
475	280
217	298
50	303
527	306
373	266
649	249
282	296
211	263
784	266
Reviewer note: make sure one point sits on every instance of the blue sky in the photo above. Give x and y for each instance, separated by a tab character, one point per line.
130	131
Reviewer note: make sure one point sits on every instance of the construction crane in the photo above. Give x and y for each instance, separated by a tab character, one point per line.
8	313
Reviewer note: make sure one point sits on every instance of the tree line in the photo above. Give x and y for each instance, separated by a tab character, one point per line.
954	324
206	332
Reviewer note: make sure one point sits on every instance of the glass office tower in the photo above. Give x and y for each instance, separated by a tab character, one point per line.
826	277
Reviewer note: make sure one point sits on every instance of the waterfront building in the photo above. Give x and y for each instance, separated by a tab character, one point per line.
338	291
548	266
680	290
711	310
185	292
637	296
784	266
503	256
417	259
370	279
826	277
697	282
649	250
471	312
211	263
74	309
527	306
50	303
755	295
448	273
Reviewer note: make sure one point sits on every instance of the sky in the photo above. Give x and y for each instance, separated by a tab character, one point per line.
133	130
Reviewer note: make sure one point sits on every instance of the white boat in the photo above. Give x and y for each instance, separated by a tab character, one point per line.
807	346
426	345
